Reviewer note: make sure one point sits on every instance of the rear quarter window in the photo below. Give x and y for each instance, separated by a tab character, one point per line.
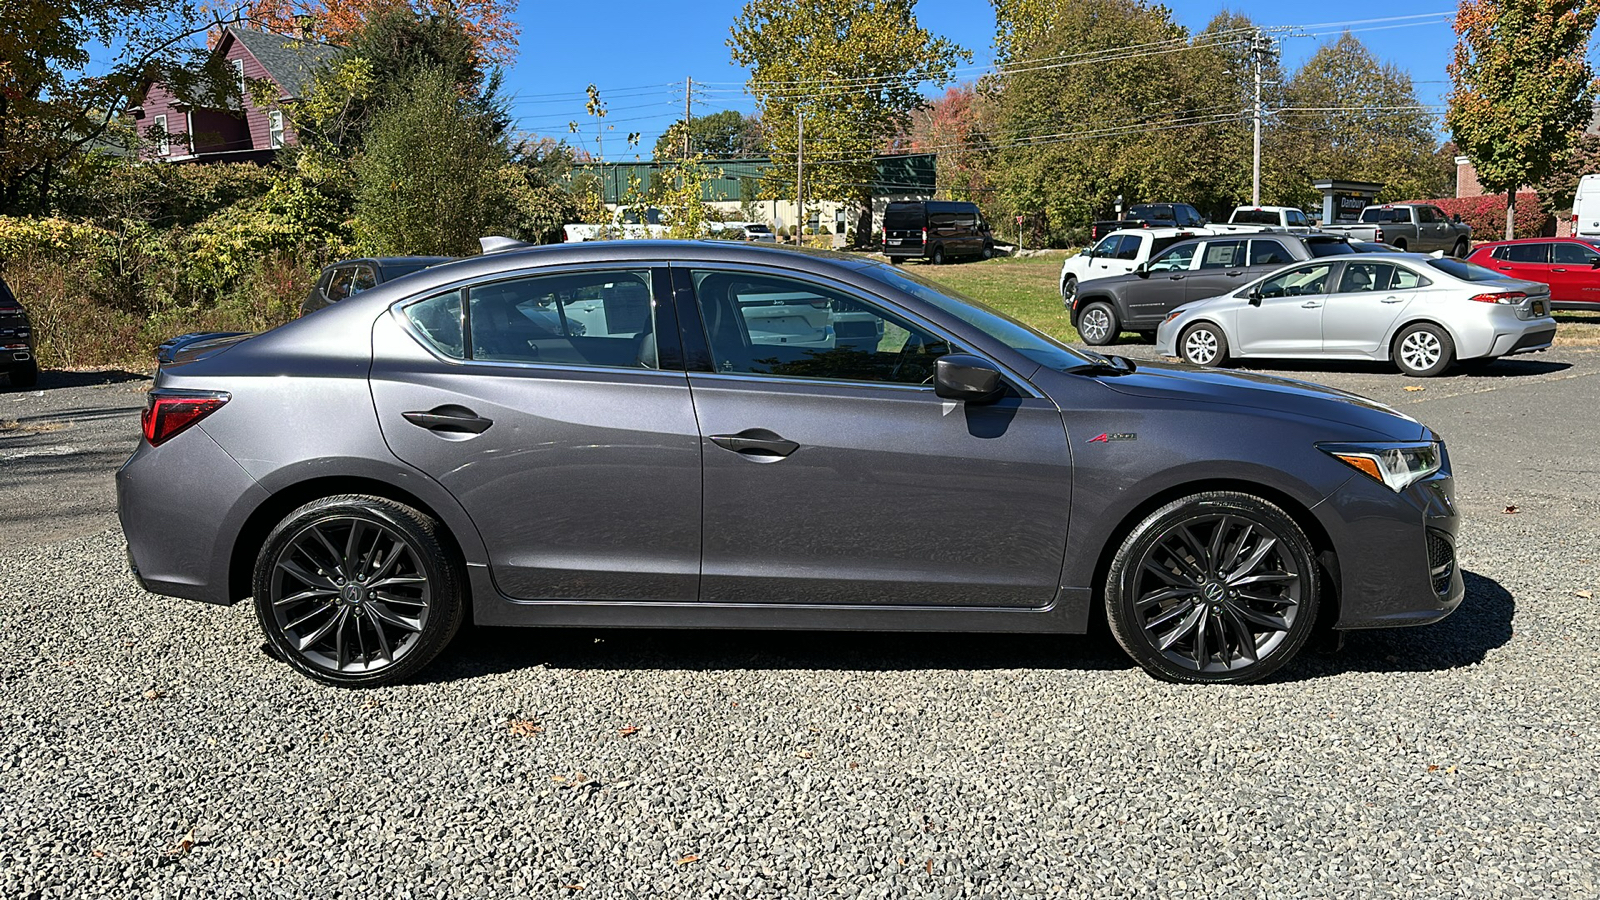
1467	271
7	299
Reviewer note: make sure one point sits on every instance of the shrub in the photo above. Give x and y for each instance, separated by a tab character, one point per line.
1487	214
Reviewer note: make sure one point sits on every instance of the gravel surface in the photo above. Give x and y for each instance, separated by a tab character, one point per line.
149	747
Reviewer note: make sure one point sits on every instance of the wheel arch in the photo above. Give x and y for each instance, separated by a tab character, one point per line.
1321	542
1404	323
1082	300
253	533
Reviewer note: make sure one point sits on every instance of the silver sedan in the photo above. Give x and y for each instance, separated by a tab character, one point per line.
1423	313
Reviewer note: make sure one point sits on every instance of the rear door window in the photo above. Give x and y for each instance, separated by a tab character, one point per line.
1362	277
1527	253
604	318
903	217
1269	253
1223	255
1176	259
1128	247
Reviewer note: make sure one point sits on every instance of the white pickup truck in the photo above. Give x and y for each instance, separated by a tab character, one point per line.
1266	218
1119	253
627	223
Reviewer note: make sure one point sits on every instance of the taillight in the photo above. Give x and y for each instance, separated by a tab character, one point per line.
1505	297
169	412
1377	235
924	234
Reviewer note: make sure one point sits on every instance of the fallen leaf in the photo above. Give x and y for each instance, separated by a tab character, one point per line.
1415	387
185	844
1433	768
1512	510
804	754
524	727
929	867
688	859
99	854
574	887
154	694
1586	594
627	730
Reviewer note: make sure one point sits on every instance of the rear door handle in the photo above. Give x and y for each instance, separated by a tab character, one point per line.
457	419
1392	299
755	442
1310	304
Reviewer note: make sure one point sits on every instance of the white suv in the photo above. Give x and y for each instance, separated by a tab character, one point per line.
1118	253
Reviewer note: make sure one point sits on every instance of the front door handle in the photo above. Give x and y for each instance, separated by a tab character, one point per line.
457	419
1310	304
1175	277
1558	270
755	442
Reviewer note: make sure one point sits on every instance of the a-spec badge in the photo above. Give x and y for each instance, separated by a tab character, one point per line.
1108	437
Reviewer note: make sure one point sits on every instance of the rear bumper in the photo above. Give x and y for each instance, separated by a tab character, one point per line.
180	541
1536	337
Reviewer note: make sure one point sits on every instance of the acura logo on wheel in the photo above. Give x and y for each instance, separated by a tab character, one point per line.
1213	591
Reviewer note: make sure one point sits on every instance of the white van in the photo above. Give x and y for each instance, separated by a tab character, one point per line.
1586	208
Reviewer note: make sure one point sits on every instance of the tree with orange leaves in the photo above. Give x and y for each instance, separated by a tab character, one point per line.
487	22
1523	88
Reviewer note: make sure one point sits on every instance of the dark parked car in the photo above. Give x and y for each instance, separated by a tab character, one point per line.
16	341
1189	270
935	230
1150	215
349	277
374	472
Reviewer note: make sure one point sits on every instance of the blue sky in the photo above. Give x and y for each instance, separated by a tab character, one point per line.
639	53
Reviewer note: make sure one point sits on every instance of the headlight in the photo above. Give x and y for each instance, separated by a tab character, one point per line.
1397	465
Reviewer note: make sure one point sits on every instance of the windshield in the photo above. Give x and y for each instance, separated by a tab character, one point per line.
1467	271
1044	350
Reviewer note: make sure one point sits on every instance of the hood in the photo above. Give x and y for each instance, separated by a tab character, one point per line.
1284	395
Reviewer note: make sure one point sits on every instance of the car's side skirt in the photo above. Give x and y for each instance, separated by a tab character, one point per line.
1067	614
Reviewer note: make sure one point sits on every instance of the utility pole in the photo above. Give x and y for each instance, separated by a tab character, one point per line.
688	114
1261	49
800	180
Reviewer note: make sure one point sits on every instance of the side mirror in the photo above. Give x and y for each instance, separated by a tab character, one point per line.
1255	298
961	376
1456	218
1594	262
1142	270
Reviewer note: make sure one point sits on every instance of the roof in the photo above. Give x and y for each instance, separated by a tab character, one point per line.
897	174
291	62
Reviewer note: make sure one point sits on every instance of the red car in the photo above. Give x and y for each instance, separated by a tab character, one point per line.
1569	265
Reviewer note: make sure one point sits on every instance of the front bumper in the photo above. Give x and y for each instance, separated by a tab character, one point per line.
1397	552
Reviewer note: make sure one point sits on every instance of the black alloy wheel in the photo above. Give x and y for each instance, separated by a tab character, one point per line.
1216	587
357	591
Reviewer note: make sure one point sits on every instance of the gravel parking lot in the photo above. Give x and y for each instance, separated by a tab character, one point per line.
149	747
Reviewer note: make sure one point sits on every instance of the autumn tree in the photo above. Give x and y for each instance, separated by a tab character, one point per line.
488	23
728	134
52	109
1350	116
1523	88
850	69
955	127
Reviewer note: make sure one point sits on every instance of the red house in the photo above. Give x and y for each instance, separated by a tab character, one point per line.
184	132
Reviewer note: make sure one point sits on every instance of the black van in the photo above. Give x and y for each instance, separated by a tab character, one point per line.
16	341
935	230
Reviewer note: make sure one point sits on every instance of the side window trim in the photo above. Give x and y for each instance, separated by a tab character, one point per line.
700	356
668	347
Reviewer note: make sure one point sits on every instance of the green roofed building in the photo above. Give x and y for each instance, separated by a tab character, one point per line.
735	192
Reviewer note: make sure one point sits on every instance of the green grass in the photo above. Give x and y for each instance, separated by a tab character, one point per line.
1025	289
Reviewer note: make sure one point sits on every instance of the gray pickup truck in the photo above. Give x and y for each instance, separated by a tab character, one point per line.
1413	227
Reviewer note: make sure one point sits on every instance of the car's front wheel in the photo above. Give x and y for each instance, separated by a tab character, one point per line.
1215	587
1097	324
1423	350
1203	344
1069	290
357	591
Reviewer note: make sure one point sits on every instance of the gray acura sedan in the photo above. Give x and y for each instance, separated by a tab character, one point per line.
891	456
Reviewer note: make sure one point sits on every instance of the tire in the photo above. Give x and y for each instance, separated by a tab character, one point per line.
1097	324
1400	245
1423	350
937	256
25	375
1460	249
337	629
1069	291
1203	344
988	251
1179	600
896	260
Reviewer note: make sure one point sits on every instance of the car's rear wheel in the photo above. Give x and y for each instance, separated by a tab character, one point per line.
937	257
25	375
357	591
1460	250
1098	325
1203	344
1423	350
1215	587
988	251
